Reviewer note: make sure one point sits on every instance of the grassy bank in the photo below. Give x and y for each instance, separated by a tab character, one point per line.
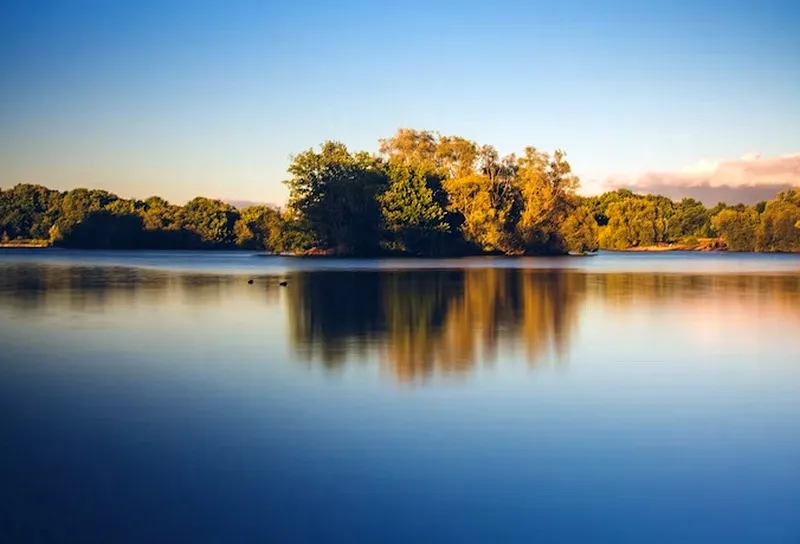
699	244
25	243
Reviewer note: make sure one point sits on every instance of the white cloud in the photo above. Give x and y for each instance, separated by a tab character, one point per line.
747	179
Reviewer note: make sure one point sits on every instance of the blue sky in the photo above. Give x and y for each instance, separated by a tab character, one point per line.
210	98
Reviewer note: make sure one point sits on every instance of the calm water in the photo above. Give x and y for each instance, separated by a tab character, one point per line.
158	397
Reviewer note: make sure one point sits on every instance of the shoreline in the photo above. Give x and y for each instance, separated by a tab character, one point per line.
13	245
666	249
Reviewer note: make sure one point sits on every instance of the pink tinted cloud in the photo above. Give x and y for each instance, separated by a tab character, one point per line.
748	179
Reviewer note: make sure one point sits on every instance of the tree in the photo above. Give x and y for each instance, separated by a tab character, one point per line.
103	229
485	207
688	218
456	157
28	211
414	210
421	193
546	190
295	236
791	195
259	227
632	222
158	214
78	204
416	148
212	221
580	231
777	230
336	193
738	228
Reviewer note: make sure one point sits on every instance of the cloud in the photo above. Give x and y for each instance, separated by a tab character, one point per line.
749	179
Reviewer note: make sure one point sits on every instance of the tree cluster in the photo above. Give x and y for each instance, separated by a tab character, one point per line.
421	194
431	195
627	220
96	219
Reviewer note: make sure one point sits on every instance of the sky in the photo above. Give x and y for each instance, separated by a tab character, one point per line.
185	98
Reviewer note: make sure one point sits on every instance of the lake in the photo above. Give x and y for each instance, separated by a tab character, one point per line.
160	397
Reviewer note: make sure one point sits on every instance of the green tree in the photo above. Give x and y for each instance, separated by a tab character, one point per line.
777	230
259	227
158	214
295	236
580	231
211	220
125	207
414	210
632	222
738	228
335	192
28	211
77	205
599	204
689	219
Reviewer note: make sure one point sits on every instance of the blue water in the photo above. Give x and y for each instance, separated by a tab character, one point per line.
159	397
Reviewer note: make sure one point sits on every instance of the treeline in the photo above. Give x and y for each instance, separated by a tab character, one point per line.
421	194
84	218
627	220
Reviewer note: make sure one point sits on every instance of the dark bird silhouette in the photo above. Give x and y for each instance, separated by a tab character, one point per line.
250	282
283	283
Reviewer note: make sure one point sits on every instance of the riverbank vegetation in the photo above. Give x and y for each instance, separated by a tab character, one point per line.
421	194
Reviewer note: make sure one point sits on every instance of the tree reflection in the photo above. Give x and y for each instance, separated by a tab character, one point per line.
416	323
334	315
424	322
35	287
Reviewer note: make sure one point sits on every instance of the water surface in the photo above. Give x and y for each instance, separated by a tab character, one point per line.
159	397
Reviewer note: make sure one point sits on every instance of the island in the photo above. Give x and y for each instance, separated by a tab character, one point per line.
420	194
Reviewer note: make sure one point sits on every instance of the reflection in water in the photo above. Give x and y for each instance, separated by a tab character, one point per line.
427	322
131	394
34	287
484	309
417	323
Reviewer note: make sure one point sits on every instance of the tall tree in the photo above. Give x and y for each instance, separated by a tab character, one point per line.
417	148
547	190
335	192
456	157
